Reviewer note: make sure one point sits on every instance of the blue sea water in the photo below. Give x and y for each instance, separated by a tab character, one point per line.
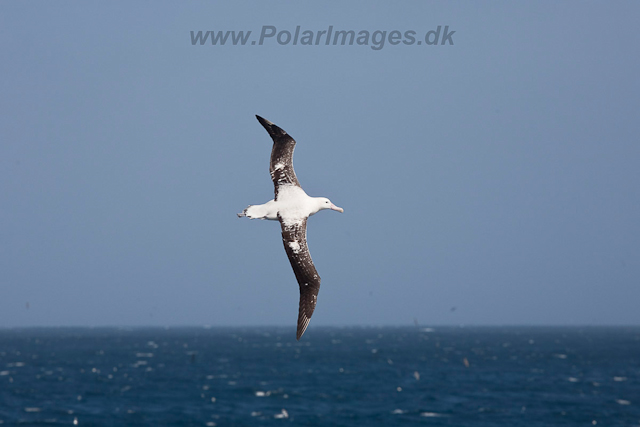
453	376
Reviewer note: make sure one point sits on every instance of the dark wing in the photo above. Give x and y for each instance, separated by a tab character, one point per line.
294	238
281	165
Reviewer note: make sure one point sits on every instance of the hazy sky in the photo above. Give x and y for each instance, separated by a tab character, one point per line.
498	174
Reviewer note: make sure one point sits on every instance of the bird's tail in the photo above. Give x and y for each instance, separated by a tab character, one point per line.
244	212
252	212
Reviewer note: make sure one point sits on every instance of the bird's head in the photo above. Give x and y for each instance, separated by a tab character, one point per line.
325	203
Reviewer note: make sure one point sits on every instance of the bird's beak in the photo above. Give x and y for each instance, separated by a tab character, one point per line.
335	208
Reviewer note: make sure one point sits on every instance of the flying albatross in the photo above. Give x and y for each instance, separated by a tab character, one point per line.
292	207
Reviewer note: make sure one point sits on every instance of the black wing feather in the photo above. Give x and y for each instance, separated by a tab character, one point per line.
294	238
281	164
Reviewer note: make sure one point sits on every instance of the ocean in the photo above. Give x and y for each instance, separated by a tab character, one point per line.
356	376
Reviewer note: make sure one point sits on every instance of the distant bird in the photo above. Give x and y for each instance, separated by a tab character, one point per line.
292	207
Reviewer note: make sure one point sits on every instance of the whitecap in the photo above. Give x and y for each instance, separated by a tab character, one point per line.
144	354
430	414
283	414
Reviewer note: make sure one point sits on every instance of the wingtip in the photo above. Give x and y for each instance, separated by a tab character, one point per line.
303	322
263	121
272	128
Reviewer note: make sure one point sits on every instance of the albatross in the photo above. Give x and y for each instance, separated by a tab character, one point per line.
292	207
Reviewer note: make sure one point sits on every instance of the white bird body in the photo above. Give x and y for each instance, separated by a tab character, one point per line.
293	204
